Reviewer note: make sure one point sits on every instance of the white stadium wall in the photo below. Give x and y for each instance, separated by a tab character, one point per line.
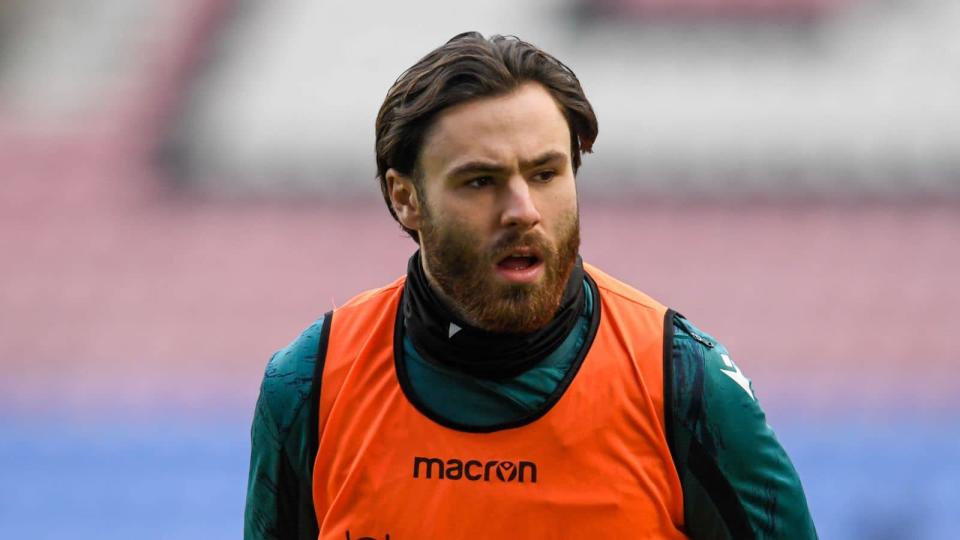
860	99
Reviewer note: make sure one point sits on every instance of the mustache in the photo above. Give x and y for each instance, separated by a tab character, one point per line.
515	239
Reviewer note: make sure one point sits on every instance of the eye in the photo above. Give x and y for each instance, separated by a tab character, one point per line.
480	181
545	176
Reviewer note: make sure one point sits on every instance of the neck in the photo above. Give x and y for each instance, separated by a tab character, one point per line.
442	335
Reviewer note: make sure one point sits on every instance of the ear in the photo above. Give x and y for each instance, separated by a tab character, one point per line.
403	197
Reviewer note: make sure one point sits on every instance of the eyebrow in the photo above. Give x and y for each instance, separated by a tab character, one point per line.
473	167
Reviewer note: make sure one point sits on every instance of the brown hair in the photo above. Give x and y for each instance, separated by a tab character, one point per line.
464	68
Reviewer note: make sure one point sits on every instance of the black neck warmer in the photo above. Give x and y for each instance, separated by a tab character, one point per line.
427	321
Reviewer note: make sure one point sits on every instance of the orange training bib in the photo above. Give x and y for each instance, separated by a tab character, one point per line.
596	465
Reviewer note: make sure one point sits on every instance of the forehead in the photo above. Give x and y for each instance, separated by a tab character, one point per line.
517	126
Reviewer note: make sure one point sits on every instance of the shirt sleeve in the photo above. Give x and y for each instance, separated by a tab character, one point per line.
738	482
279	502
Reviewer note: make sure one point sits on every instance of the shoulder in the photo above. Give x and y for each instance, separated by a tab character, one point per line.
695	349
374	295
735	474
704	377
288	378
612	288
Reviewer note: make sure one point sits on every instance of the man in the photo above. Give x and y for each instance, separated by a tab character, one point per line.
503	388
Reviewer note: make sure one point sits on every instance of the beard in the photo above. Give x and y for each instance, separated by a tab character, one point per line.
464	272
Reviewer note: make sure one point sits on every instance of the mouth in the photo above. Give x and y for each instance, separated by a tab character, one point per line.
521	265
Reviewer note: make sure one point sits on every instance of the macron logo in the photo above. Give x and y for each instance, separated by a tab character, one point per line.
474	470
452	331
736	375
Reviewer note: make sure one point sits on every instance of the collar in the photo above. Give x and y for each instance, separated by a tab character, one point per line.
442	337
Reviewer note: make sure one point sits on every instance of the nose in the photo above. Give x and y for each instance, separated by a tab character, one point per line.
519	208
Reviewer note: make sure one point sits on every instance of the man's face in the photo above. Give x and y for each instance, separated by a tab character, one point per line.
499	227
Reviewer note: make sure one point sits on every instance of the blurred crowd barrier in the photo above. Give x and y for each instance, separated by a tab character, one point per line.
187	184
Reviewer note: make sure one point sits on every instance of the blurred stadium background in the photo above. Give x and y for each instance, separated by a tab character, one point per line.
187	184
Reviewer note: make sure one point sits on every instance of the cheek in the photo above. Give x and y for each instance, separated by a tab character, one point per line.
456	230
476	216
559	206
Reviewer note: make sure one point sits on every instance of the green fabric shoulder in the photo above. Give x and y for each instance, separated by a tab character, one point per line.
279	500
738	482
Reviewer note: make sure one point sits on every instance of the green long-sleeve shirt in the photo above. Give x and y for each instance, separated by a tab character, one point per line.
738	482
